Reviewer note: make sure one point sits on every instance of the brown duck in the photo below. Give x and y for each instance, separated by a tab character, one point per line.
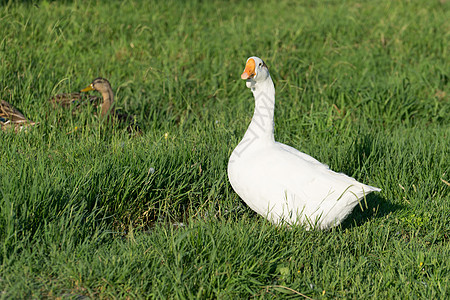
81	98
103	86
76	99
10	117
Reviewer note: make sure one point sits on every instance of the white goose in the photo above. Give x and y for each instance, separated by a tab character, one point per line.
279	182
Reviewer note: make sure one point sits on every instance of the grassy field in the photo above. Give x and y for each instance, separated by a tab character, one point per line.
90	210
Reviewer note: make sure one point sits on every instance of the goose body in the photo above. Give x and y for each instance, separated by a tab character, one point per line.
11	117
279	182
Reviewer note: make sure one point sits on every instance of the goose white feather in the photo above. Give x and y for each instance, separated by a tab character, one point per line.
279	182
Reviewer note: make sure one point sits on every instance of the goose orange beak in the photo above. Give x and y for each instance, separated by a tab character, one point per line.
88	88
249	70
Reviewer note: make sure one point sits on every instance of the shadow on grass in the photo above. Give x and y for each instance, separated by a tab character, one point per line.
377	207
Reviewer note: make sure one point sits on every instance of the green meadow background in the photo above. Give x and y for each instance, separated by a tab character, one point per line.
89	210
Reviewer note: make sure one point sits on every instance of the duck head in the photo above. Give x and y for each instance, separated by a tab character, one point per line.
102	85
99	84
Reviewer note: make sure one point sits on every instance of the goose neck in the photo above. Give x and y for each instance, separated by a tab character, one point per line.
262	124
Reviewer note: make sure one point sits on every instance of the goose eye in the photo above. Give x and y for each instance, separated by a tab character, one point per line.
260	64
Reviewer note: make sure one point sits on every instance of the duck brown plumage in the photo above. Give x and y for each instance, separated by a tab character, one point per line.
12	117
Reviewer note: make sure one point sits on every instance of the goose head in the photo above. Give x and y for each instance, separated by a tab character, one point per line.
255	71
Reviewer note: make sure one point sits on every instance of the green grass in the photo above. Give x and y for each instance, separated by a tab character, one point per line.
87	209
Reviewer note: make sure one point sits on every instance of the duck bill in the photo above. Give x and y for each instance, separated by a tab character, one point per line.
88	88
249	71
